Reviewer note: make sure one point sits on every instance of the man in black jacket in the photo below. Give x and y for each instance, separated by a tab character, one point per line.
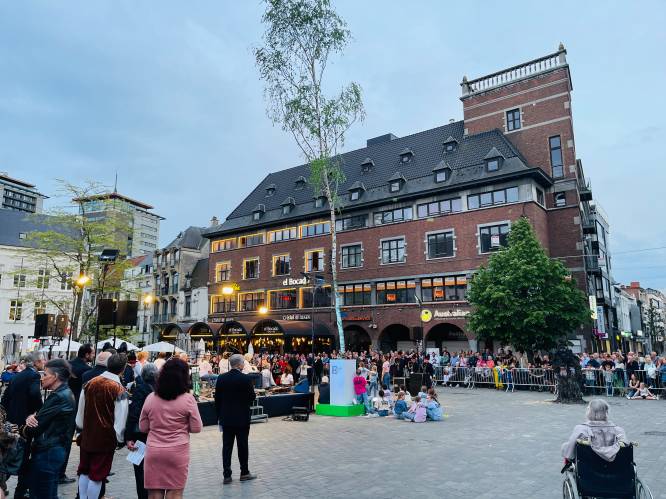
22	398
50	430
234	393
100	367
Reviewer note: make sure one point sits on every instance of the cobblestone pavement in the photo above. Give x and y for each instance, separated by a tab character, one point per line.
492	445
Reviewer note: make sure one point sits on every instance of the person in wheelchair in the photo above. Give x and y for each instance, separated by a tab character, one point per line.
604	436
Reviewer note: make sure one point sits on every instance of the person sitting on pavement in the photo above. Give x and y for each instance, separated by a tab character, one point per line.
644	393
381	405
417	412
400	406
604	436
434	410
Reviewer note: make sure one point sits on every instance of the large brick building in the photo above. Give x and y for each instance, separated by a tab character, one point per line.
418	215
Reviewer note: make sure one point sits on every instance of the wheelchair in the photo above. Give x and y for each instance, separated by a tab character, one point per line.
590	476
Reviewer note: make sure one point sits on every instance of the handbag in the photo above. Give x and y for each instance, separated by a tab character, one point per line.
13	461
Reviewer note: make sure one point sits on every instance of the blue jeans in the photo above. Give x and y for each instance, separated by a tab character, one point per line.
386	380
44	470
408	415
609	388
372	388
362	398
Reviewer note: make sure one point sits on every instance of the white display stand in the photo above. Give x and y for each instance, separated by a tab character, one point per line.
342	374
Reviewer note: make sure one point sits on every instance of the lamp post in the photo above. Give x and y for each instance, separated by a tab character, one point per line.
226	291
81	282
147	302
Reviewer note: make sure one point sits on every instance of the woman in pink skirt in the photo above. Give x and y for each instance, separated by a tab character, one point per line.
169	415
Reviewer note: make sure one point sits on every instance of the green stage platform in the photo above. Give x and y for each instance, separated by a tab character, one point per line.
339	410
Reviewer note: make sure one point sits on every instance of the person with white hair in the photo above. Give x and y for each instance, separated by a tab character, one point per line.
604	436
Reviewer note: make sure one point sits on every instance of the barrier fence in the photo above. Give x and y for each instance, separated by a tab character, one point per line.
595	381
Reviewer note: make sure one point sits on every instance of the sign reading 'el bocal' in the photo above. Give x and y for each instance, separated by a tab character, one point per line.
295	282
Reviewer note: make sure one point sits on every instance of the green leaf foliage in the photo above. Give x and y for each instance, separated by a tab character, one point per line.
524	298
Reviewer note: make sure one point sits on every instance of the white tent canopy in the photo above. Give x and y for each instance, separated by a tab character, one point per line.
162	346
117	343
62	347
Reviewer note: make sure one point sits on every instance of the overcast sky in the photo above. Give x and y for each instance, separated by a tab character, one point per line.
166	93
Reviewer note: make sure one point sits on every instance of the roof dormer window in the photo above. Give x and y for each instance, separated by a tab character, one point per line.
287	205
406	155
258	212
270	190
396	182
300	182
356	190
367	165
320	201
450	144
442	172
493	160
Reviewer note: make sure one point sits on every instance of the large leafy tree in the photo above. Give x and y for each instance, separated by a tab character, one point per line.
299	39
524	298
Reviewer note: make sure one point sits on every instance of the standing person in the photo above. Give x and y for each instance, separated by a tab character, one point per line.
360	391
100	367
161	359
141	360
50	430
101	417
132	432
234	393
22	398
168	416
386	371
428	372
79	366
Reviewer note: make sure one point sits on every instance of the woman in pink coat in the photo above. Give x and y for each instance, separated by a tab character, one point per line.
169	415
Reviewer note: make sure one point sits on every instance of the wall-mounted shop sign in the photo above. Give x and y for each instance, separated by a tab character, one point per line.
296	317
355	317
448	314
220	320
235	330
295	282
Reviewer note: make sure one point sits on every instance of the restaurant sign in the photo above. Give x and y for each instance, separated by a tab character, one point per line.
296	317
449	314
295	282
355	317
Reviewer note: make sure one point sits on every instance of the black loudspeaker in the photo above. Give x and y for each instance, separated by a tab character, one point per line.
415	383
300	414
105	312
44	325
418	333
126	313
61	324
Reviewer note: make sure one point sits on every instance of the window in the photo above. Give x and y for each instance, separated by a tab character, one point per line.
317	229
353	222
355	294
314	260
444	288
320	202
281	265
352	256
15	310
396	292
222	304
66	281
492	165
493	237
556	156
539	196
19	280
188	305
393	250
442	175
286	209
173	310
501	196
174	283
284	298
393	216
367	165
256	215
43	279
513	119
282	235
40	307
560	199
439	207
300	183
440	245
251	268
270	190
222	271
250	302
322	297
354	195
251	240
395	186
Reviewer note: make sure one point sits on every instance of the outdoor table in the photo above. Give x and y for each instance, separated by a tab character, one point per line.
274	405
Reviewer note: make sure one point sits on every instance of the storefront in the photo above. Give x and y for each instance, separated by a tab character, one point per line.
233	336
270	335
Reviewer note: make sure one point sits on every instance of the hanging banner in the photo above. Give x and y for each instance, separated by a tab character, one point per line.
593	307
601	323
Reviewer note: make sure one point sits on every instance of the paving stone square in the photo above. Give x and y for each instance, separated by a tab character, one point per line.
492	445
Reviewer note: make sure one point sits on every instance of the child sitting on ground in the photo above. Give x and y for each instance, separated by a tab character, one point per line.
643	393
381	404
423	393
400	405
408	396
417	412
434	409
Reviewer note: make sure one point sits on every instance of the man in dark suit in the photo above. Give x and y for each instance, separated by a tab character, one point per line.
22	398
234	393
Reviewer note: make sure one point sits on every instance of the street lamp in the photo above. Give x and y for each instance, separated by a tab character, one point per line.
79	284
147	301
263	310
226	291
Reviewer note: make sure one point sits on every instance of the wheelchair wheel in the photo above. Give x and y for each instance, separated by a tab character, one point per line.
642	491
569	489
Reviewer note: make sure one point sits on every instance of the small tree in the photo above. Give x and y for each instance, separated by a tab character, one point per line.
299	38
524	298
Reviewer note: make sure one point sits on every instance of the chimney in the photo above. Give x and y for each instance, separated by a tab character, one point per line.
635	284
214	222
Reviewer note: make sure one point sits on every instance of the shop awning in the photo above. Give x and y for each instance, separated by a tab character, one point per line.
234	328
270	327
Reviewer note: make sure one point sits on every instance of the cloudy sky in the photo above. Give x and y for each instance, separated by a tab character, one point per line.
166	94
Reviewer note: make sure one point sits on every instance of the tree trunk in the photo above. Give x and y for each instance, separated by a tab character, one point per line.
334	268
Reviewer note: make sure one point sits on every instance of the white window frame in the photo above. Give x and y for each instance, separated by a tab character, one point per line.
489	224
386	239
440	231
346	245
305	259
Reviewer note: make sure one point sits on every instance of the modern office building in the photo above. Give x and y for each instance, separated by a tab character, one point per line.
19	195
419	214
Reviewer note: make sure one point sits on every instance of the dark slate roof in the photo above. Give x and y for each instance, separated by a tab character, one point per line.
199	277
14	223
190	238
466	162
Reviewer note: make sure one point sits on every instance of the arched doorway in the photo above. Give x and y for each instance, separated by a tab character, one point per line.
447	335
267	337
357	339
395	337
